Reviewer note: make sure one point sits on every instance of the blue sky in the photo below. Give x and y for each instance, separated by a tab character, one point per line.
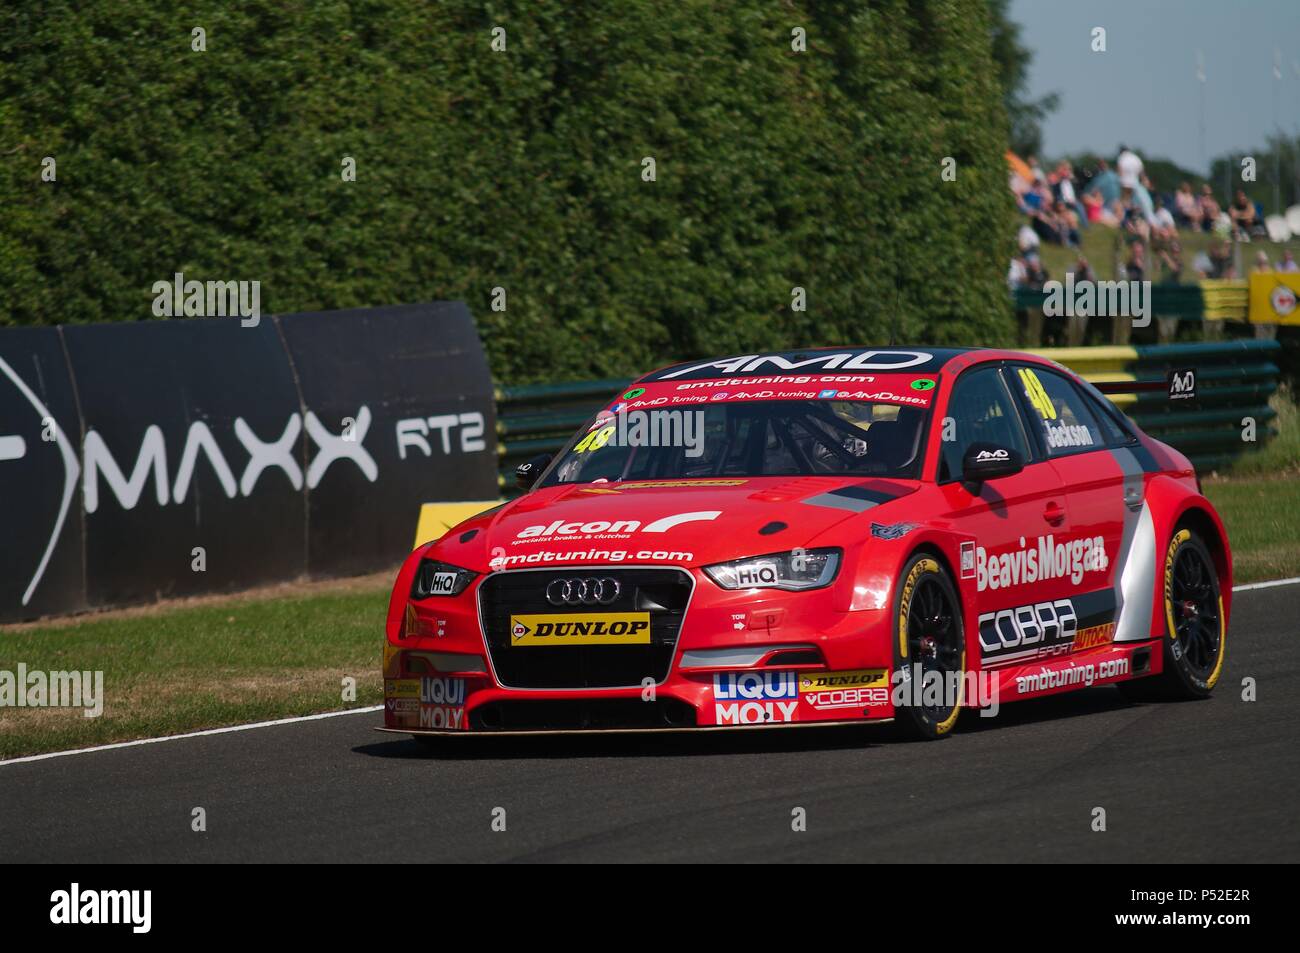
1143	90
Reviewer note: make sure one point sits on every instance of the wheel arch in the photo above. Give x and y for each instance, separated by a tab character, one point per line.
1201	520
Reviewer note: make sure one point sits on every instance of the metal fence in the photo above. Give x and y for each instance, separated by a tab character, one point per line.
1234	382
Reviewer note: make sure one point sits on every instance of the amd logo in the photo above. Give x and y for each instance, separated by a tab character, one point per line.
1182	384
846	360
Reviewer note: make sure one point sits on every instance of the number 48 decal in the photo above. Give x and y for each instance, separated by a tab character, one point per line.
594	440
1037	396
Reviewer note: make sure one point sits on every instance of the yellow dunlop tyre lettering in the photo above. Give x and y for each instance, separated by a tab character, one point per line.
945	726
1223	649
905	603
1180	537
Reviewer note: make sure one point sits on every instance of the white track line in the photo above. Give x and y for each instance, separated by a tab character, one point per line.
356	711
192	734
1267	585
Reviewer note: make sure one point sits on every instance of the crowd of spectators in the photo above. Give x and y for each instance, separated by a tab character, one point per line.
1058	205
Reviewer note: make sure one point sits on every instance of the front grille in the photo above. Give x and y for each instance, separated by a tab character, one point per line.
577	714
664	593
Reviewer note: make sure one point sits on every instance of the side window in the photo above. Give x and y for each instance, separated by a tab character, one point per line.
1112	424
979	410
1066	425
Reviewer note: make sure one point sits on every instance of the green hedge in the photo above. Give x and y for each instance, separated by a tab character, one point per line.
520	169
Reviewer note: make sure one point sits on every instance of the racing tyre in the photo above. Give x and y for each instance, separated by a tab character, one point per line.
929	651
1195	643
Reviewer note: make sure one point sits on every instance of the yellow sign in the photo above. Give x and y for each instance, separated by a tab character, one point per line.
437	518
588	628
1273	297
825	681
402	688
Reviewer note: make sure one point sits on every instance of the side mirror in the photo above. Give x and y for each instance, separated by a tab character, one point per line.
526	474
988	461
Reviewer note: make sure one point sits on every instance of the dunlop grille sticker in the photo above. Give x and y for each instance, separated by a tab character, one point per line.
589	628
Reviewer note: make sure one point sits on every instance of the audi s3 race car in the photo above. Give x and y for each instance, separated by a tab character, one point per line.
824	536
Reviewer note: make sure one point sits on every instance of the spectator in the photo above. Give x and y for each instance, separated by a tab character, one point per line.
1163	225
1093	205
1221	260
1067	224
1288	263
1135	223
1129	167
1170	257
1135	268
1187	211
1104	182
1027	239
1063	188
1262	263
1037	273
1242	213
1018	275
1209	208
1082	271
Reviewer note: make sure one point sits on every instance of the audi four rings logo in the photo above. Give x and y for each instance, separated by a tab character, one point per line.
585	592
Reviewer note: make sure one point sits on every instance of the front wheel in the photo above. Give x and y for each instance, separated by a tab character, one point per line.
1195	643
929	650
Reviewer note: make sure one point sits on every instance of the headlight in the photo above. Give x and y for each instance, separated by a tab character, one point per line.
440	579
798	569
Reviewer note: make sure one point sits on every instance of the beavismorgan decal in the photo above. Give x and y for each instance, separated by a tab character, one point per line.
589	628
1044	559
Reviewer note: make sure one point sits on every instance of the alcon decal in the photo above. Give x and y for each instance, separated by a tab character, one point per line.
612	528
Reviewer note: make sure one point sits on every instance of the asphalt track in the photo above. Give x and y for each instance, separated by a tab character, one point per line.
1208	781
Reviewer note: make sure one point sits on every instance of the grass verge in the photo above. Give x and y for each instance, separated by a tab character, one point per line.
172	670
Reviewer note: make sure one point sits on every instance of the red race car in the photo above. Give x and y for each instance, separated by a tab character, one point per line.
814	537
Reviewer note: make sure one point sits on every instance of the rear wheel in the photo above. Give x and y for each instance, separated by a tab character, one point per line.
929	650
1195	642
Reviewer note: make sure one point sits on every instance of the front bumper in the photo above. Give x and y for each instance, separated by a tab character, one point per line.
726	659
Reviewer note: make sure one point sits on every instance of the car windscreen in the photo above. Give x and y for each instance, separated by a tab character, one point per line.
816	437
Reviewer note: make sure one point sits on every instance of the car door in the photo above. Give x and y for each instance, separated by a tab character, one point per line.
1098	492
1015	604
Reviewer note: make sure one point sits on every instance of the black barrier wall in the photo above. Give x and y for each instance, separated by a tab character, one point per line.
140	461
